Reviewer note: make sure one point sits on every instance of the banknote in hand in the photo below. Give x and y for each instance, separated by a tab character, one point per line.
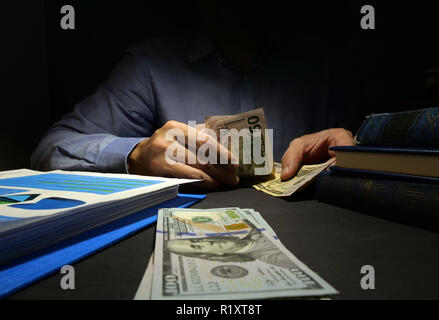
249	124
274	186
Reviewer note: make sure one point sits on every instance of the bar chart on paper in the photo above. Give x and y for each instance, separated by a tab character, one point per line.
78	183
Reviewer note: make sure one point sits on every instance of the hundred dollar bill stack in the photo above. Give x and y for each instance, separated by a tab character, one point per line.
227	253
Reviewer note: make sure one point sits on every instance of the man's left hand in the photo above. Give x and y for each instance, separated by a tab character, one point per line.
313	148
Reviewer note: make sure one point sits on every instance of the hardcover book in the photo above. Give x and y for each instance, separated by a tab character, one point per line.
417	128
404	161
412	201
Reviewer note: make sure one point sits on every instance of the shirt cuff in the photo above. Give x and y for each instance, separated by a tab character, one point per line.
115	156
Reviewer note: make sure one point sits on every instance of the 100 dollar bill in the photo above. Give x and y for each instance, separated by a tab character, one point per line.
222	254
144	289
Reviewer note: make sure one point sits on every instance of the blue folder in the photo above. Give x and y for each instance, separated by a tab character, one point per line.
21	273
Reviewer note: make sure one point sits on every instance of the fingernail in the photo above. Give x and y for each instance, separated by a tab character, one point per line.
284	170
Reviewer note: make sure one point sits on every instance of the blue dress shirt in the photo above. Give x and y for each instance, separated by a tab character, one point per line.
186	80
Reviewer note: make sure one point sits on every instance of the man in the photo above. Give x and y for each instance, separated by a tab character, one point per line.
232	67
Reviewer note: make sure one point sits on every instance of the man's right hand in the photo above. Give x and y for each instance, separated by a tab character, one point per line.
149	158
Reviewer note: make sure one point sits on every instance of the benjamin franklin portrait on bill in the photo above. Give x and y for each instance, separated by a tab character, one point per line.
254	246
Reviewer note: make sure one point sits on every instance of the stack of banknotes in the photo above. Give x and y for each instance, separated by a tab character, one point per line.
252	121
225	253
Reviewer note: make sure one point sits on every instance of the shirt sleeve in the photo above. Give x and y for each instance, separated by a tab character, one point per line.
104	128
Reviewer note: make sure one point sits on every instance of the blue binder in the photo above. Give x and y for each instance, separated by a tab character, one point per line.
23	272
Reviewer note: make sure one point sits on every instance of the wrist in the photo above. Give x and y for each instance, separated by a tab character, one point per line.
135	157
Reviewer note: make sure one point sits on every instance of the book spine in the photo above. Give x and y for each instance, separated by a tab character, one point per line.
412	203
418	128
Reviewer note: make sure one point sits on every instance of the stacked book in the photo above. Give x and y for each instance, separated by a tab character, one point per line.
39	209
392	172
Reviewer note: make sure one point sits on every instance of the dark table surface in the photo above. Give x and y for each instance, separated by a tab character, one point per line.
333	242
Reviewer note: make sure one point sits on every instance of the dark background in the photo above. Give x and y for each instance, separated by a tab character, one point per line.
45	70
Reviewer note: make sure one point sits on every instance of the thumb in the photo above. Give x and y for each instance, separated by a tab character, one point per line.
290	163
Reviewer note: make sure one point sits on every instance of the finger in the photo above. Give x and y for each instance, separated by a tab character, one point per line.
194	139
346	141
207	138
340	137
291	160
317	150
183	171
219	172
226	174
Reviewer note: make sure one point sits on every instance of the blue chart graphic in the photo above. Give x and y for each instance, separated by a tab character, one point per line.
17	198
77	183
4	191
49	203
20	198
7	200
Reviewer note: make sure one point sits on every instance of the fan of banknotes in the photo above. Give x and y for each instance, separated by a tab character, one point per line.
226	253
276	187
269	180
